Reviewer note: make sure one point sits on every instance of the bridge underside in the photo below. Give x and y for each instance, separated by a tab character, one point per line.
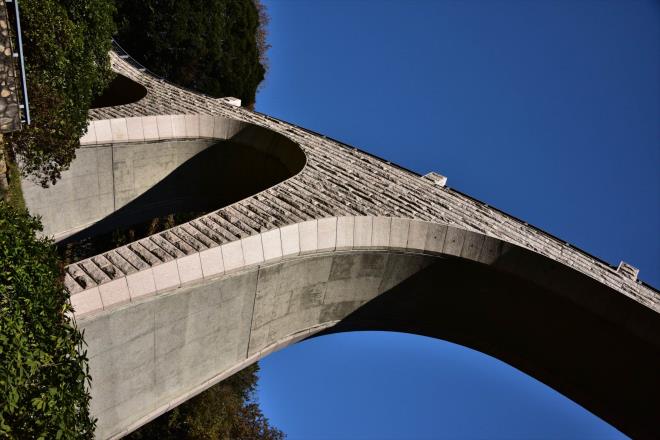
150	356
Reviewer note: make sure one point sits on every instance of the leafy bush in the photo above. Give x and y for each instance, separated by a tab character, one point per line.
43	368
213	46
66	45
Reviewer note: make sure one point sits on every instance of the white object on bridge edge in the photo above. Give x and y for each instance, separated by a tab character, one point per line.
437	179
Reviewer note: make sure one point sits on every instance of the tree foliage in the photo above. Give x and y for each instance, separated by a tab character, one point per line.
262	33
66	45
226	411
43	368
213	46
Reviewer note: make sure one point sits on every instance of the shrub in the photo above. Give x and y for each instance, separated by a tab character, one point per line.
43	367
66	45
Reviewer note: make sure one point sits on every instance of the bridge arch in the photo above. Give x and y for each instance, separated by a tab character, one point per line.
120	91
169	315
367	273
130	170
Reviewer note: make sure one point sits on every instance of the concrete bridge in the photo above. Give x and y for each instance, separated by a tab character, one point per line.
314	236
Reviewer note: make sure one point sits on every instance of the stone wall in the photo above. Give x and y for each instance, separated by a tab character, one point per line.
9	82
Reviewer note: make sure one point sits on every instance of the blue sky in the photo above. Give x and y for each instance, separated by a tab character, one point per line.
548	110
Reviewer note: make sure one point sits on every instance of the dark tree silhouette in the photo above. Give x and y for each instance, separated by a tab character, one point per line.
226	411
213	46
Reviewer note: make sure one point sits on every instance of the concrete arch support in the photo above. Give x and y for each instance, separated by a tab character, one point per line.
171	330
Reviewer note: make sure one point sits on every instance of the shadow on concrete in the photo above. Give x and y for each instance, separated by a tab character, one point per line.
599	364
224	173
120	91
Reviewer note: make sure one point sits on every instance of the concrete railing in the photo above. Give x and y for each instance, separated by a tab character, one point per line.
337	234
313	236
165	127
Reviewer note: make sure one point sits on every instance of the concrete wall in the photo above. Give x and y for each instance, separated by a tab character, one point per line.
120	160
103	179
146	357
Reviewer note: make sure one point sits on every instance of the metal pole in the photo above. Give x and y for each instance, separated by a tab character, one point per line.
26	101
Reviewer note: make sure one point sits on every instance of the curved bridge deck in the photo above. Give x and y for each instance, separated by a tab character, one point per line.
337	180
362	226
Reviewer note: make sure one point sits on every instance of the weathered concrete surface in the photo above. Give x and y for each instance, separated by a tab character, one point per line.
150	354
317	249
103	179
157	351
121	166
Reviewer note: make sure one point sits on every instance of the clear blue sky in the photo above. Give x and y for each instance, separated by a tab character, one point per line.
549	110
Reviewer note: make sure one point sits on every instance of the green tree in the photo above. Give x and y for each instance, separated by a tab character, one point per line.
43	367
213	46
226	411
66	45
